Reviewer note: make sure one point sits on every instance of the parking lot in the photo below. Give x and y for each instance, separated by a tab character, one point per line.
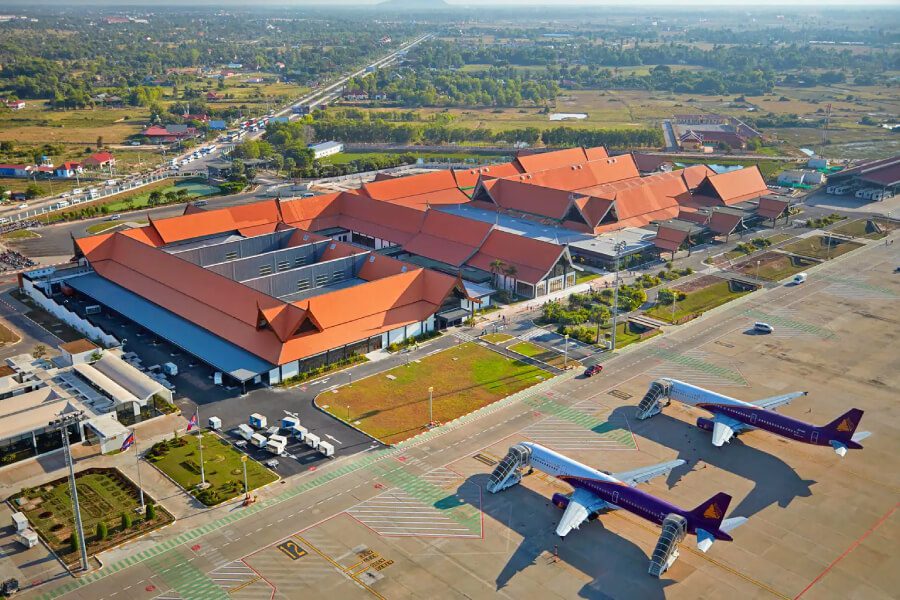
195	390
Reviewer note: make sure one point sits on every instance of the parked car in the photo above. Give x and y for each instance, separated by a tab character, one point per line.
763	327
593	370
800	278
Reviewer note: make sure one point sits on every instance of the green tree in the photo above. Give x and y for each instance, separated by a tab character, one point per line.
73	542
154	198
33	190
39	351
102	530
126	521
150	512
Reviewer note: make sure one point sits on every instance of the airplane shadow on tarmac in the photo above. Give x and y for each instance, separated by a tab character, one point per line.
775	481
617	565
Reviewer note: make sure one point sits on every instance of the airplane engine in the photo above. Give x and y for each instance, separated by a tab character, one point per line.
705	424
561	501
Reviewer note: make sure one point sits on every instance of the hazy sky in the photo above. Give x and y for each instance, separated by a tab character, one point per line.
748	4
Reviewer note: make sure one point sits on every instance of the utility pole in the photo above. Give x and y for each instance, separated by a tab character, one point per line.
618	249
566	352
244	464
200	445
66	419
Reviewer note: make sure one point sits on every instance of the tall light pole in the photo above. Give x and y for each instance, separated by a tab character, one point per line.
244	464
566	352
200	445
430	411
618	248
757	269
69	416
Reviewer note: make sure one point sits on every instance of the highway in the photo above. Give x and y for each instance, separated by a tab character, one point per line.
39	207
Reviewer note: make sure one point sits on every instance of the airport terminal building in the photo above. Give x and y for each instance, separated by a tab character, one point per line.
265	291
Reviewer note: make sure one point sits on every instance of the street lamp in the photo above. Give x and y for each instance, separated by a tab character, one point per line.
566	352
68	417
618	248
430	412
757	269
244	463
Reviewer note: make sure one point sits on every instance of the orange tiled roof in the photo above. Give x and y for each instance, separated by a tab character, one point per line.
397	294
212	222
541	161
401	187
532	258
467	178
739	185
771	207
695	174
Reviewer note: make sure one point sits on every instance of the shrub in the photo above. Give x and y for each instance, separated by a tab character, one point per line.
126	521
73	542
102	530
150	512
209	496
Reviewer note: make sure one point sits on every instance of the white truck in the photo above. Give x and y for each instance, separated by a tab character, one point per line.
277	444
259	440
245	431
299	432
170	369
326	449
312	440
258	421
27	537
214	423
289	422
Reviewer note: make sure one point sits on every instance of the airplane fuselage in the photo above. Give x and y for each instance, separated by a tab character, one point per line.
748	414
607	488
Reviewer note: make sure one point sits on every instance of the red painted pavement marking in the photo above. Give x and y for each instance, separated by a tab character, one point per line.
196	547
311	469
401	458
378	486
852	547
150	588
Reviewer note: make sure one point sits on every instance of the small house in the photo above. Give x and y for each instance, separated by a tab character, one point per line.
99	160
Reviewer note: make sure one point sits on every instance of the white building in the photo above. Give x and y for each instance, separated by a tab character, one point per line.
326	149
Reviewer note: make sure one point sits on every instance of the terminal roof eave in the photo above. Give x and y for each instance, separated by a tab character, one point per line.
219	353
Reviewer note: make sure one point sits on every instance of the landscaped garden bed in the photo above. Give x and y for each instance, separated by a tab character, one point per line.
774	266
108	502
824	247
700	295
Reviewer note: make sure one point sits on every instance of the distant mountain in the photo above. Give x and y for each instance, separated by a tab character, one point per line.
413	4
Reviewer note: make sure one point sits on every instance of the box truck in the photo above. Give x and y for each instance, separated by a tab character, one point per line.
299	432
312	440
245	431
258	421
289	422
214	423
258	440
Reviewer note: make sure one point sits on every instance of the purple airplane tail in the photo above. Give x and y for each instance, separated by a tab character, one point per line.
709	515
843	428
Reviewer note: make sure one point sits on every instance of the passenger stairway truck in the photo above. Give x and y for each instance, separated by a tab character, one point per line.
509	471
650	404
665	553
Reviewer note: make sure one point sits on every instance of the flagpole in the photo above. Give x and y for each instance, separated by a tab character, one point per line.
137	462
200	440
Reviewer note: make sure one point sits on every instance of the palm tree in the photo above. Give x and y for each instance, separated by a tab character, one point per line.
511	271
496	266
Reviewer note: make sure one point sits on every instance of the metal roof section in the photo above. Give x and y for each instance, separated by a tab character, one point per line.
134	381
221	354
634	238
109	387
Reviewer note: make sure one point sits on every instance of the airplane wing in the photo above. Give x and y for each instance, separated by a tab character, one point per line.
724	429
776	401
581	504
645	474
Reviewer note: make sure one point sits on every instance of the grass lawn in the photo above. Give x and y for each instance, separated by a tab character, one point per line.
817	246
20	234
497	338
222	464
7	335
586	276
104	494
626	334
554	359
862	228
348	157
698	301
779	237
107	225
776	266
140	198
465	378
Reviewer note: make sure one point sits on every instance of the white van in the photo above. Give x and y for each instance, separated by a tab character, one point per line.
312	440
326	449
258	440
299	432
800	278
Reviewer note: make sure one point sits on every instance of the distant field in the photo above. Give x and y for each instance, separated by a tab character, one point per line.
37	124
348	157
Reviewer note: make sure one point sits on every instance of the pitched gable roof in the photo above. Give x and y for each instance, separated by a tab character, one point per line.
739	185
212	222
541	161
532	258
448	238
